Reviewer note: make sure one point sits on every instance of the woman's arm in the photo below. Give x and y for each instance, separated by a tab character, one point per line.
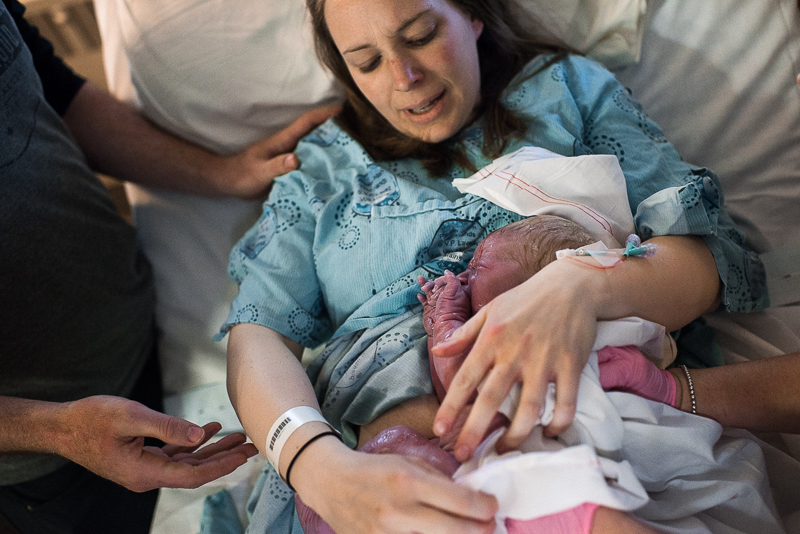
543	331
757	395
352	491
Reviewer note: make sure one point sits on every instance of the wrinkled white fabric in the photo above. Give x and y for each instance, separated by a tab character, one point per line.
679	471
531	181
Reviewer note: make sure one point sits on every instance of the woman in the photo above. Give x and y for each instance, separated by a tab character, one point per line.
430	93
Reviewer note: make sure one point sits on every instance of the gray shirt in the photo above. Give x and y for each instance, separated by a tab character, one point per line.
76	311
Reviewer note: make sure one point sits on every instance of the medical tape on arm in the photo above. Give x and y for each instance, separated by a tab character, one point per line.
284	427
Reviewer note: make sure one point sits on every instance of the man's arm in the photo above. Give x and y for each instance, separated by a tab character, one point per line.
120	142
106	435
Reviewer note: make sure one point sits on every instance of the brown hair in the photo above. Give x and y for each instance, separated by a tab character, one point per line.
506	44
537	239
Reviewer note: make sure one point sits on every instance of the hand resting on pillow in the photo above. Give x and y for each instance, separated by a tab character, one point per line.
120	142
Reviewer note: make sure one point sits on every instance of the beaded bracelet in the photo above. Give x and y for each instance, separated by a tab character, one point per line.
691	388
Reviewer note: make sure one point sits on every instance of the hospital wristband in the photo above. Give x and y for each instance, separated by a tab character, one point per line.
285	426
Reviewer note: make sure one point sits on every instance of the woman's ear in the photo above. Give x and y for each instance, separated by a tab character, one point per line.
477	27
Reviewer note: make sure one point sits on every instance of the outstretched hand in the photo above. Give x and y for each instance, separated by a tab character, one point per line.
250	173
106	435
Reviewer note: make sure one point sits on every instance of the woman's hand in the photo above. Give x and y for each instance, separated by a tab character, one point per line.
539	332
360	493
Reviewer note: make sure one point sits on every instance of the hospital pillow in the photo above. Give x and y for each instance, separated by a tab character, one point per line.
720	78
609	31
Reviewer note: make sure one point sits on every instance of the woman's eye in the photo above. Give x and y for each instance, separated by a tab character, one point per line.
425	39
369	66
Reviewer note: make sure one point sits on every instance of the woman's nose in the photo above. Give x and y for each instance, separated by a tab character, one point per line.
404	74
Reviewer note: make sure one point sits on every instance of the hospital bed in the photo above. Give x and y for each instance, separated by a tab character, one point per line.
718	75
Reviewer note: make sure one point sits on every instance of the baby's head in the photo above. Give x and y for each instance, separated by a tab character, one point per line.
512	254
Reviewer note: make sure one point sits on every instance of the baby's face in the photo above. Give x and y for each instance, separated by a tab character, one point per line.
491	272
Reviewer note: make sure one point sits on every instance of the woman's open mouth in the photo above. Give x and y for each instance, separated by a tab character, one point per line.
426	107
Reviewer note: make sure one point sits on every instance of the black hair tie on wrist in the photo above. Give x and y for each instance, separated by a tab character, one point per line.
304	447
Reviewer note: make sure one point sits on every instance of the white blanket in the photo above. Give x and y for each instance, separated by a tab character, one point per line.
677	471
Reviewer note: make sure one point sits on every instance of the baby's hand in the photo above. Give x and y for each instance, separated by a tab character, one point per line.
428	299
446	305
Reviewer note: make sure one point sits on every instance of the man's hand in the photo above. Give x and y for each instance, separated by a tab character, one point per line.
250	173
120	142
106	435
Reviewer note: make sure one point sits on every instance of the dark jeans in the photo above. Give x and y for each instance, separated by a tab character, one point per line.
73	500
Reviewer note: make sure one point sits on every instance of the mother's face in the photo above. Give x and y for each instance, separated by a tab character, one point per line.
416	61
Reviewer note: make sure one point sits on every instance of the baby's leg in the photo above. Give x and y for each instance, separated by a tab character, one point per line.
416	413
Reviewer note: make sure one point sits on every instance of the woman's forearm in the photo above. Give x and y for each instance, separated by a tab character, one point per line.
352	491
265	378
676	285
757	395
